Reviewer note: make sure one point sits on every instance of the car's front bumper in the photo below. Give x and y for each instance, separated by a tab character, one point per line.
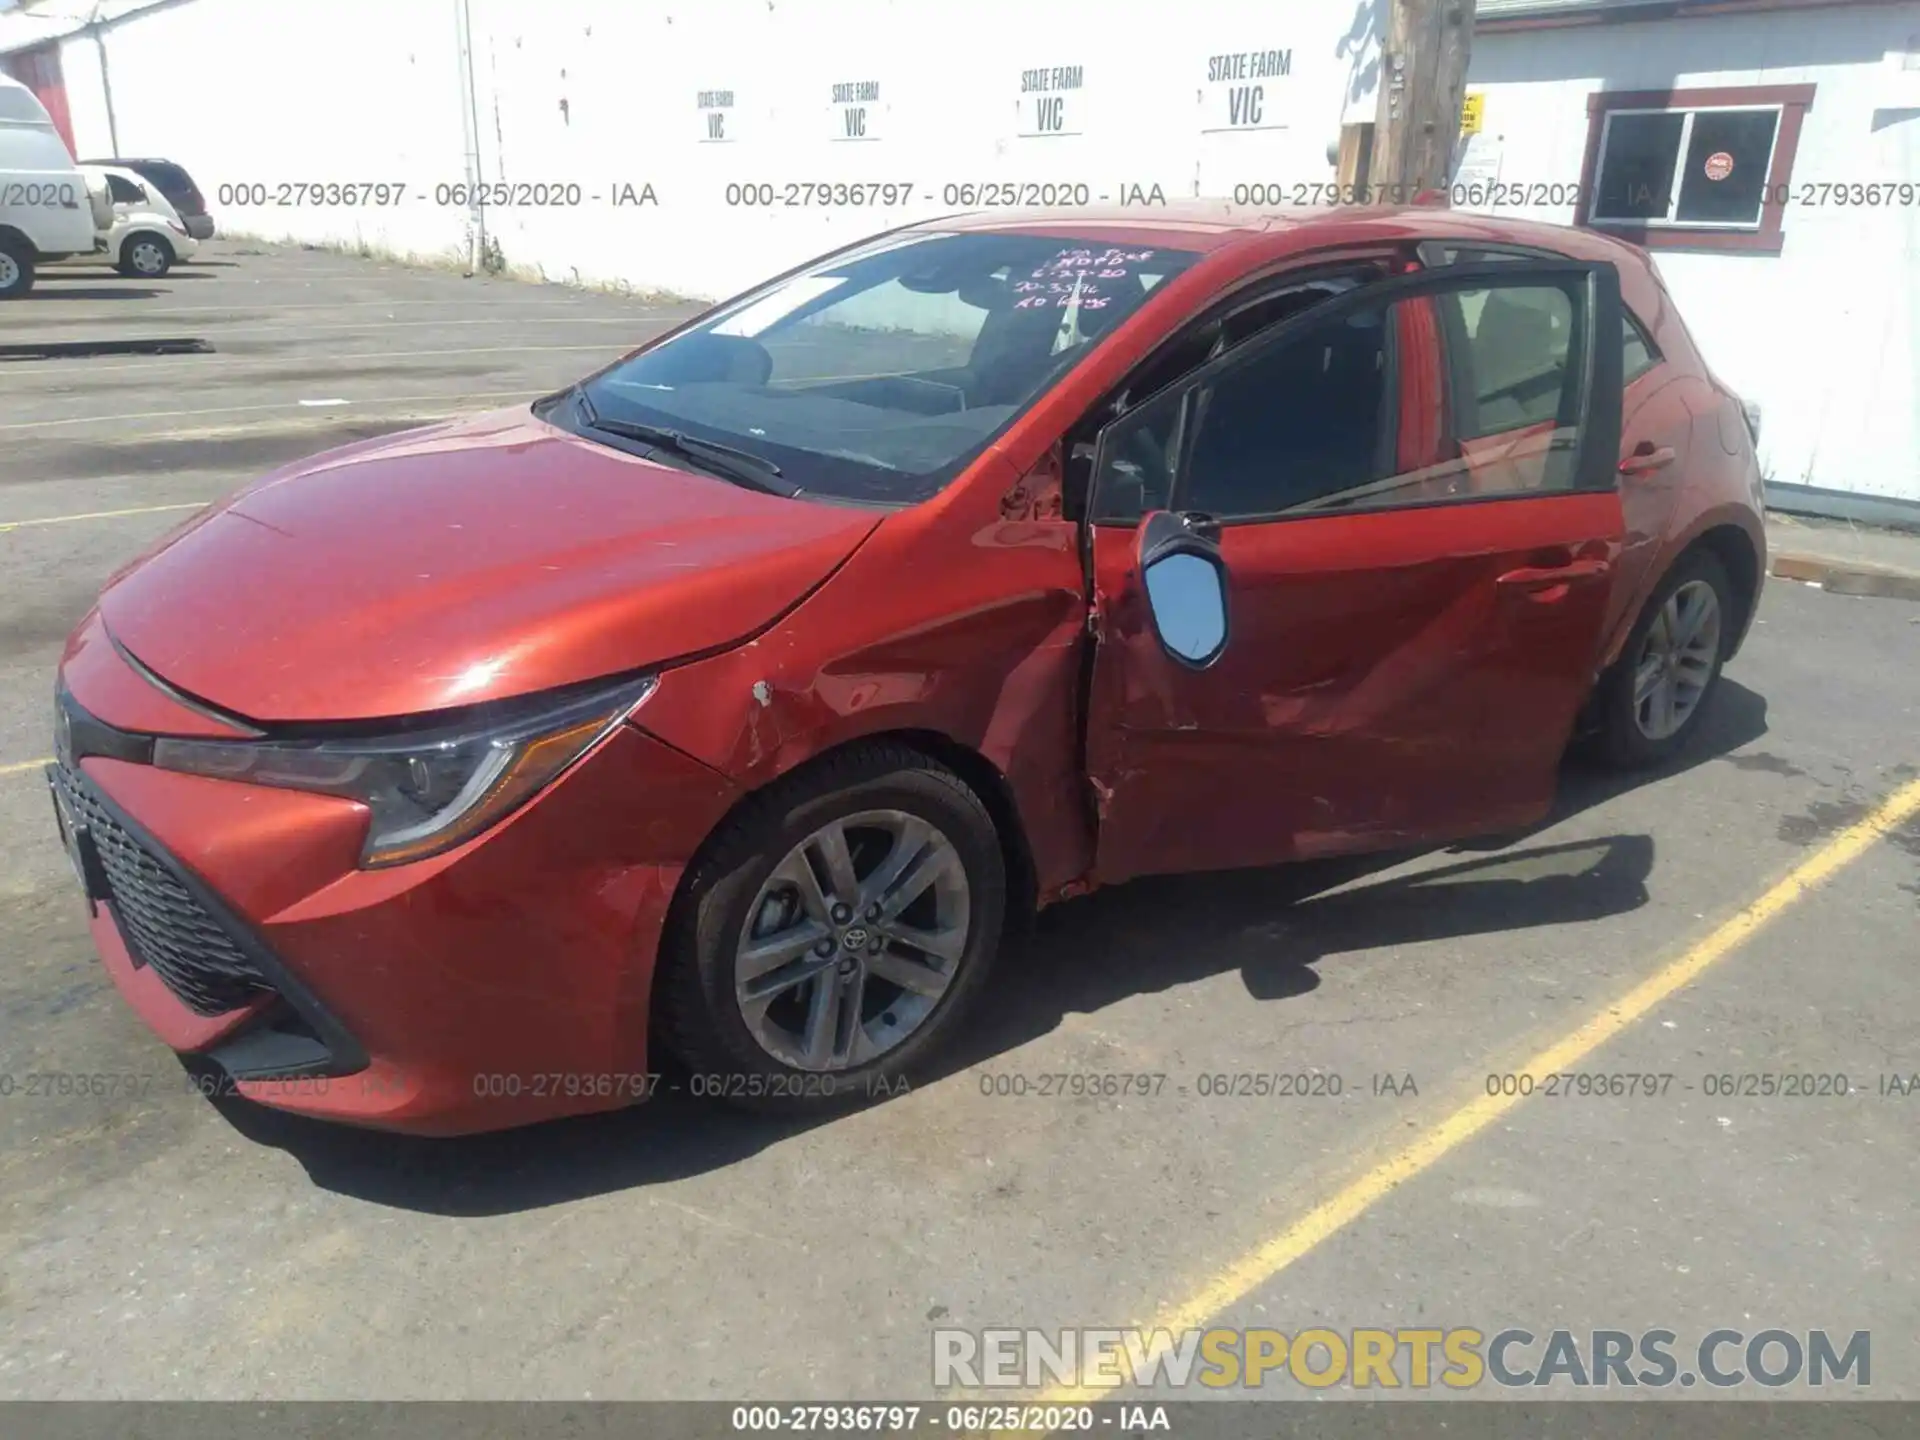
200	227
504	982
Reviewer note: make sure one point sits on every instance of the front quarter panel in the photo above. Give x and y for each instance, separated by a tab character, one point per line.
961	618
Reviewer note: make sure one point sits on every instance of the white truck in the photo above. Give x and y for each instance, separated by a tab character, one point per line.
48	209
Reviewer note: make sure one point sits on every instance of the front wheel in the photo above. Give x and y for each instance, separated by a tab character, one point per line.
16	269
146	257
834	934
1652	699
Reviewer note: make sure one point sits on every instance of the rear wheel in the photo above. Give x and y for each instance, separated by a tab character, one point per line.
1652	699
834	935
16	269
146	256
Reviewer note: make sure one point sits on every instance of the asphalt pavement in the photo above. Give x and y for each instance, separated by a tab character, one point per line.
1751	912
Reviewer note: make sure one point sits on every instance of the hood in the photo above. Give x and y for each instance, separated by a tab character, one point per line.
470	561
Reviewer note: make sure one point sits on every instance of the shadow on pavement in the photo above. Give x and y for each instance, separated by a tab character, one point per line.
93	292
1275	926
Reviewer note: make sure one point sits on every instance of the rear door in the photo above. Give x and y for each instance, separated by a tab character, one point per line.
1407	647
1490	415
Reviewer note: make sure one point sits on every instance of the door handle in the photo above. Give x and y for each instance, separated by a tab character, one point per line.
1548	577
1647	458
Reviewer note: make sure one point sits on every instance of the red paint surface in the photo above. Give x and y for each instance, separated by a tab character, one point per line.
39	70
1383	684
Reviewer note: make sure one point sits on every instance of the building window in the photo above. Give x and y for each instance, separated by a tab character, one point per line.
1693	169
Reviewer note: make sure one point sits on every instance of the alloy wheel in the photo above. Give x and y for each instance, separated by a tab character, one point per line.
148	258
1676	660
852	940
9	271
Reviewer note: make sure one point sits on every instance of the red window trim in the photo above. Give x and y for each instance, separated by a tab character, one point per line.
1794	102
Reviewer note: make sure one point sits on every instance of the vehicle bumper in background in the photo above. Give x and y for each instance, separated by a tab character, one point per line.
200	227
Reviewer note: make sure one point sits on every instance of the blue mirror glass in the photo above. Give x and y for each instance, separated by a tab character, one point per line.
1189	605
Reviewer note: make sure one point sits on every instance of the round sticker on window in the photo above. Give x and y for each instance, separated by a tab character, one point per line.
1719	165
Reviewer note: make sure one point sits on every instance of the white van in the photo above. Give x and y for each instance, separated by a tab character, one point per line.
48	210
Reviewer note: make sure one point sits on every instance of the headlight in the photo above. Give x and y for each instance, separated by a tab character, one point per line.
433	788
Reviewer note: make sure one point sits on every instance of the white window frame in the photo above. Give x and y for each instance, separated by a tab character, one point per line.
1667	221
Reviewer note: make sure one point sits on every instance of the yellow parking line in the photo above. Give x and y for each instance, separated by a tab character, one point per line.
6	525
22	767
1330	1216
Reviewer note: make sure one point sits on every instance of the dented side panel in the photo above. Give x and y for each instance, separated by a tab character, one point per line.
964	617
1379	686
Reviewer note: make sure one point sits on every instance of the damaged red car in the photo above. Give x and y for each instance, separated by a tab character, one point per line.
736	701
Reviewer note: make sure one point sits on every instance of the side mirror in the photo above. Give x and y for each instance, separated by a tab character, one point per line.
1186	583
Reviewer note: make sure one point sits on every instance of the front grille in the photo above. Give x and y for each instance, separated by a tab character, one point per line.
162	923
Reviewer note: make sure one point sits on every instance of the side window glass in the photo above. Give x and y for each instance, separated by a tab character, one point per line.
1517	344
1638	354
123	192
1345	414
1137	456
1195	349
1296	424
1517	387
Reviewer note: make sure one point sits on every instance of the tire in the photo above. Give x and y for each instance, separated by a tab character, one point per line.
747	885
145	256
16	269
1635	735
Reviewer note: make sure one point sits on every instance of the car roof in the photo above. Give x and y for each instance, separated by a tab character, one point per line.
1209	225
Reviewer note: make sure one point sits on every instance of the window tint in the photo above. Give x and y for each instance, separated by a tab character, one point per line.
1636	165
1638	352
1724	179
878	373
1340	415
1236	325
1289	425
1685	167
124	191
168	177
1300	421
1517	342
1638	355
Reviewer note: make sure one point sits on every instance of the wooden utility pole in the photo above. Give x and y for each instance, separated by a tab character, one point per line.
1423	82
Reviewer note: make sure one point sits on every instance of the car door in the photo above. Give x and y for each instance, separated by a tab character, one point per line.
1405	651
1657	424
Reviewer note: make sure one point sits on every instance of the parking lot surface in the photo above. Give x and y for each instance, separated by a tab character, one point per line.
154	1244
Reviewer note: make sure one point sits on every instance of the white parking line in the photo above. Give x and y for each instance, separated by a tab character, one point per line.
6	525
201	362
467	301
305	330
454	402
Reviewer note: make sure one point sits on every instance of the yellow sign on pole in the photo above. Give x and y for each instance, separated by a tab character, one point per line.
1470	113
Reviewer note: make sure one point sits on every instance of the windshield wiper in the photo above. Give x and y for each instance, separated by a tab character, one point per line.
741	465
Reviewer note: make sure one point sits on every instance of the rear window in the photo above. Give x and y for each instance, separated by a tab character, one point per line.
171	179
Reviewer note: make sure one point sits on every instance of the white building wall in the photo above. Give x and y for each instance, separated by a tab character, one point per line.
1824	336
251	92
606	95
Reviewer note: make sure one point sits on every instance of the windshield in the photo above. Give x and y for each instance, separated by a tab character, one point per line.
878	374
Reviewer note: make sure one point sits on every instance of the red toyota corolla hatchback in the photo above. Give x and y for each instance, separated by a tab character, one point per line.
737	699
